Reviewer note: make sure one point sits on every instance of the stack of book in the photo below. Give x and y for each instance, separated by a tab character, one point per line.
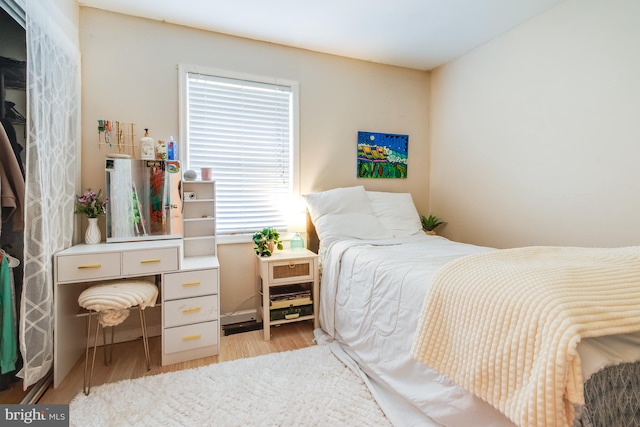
290	302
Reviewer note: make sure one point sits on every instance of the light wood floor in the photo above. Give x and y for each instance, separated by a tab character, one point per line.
13	394
128	358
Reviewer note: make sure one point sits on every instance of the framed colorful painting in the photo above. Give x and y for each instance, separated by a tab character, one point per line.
382	155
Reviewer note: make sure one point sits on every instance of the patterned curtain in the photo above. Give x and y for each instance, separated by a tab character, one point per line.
53	138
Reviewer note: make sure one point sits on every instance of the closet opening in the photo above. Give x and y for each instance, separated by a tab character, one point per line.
13	137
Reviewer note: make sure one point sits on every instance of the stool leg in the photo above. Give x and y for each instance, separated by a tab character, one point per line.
145	338
107	361
86	386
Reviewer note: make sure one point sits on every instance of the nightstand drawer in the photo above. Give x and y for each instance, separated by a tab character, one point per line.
190	310
152	261
188	284
78	268
190	337
291	271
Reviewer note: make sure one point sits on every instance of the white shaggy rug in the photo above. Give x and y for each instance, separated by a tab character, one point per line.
306	387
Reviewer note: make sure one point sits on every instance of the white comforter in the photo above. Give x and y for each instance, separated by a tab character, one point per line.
371	297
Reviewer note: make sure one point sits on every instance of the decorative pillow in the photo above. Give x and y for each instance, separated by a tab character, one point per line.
344	213
396	212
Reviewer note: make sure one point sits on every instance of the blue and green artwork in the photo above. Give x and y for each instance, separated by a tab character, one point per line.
382	155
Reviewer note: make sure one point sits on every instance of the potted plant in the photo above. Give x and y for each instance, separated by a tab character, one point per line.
430	223
267	241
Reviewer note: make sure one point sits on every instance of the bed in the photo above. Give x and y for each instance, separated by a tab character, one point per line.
378	268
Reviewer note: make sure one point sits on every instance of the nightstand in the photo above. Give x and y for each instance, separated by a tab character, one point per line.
287	283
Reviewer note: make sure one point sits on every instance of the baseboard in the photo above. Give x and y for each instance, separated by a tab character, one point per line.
238	317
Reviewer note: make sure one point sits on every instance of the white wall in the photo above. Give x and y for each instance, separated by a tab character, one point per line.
535	136
129	73
70	9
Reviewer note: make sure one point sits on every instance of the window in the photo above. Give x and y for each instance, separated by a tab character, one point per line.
245	129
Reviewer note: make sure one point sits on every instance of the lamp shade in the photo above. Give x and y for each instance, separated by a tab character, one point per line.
298	222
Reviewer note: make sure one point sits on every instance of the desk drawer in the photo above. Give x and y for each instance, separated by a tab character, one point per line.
190	310
149	261
78	268
190	337
188	284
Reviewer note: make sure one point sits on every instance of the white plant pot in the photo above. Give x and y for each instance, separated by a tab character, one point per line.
92	236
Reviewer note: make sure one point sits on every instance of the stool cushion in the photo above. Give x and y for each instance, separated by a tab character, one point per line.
112	317
113	299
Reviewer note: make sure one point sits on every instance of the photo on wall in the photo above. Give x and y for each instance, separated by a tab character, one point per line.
382	155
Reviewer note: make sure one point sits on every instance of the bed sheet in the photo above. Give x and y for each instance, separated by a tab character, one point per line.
371	297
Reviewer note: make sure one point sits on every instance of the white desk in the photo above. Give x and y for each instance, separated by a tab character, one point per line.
75	268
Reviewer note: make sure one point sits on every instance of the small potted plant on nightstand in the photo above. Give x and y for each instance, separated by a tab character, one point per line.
430	223
267	241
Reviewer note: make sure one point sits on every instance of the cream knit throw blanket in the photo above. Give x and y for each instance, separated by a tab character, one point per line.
505	324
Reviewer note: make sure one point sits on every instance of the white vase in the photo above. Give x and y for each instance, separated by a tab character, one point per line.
92	236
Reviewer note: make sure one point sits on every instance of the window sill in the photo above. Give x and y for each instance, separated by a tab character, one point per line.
233	239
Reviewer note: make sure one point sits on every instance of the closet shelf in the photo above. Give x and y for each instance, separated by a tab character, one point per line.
14	73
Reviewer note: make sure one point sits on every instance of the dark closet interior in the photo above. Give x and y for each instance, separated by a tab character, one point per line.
13	79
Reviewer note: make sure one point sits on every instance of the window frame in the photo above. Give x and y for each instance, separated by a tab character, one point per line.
185	69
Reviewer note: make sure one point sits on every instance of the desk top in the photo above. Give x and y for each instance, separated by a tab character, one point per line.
187	263
120	247
287	255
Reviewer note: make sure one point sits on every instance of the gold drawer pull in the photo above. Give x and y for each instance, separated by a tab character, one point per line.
149	261
191	310
292	264
89	266
191	284
192	337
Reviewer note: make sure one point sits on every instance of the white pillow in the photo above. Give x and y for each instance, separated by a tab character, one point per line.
396	212
344	213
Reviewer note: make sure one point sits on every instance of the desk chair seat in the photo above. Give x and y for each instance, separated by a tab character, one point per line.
112	301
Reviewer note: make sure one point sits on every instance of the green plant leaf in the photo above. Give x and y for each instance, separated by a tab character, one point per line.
431	222
263	238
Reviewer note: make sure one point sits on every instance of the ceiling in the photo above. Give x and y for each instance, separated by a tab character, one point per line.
419	34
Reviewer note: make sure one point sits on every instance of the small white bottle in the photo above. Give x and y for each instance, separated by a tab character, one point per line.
147	147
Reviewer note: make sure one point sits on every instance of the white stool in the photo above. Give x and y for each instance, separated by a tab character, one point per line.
112	301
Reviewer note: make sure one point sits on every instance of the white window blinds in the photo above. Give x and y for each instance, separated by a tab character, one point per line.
243	131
